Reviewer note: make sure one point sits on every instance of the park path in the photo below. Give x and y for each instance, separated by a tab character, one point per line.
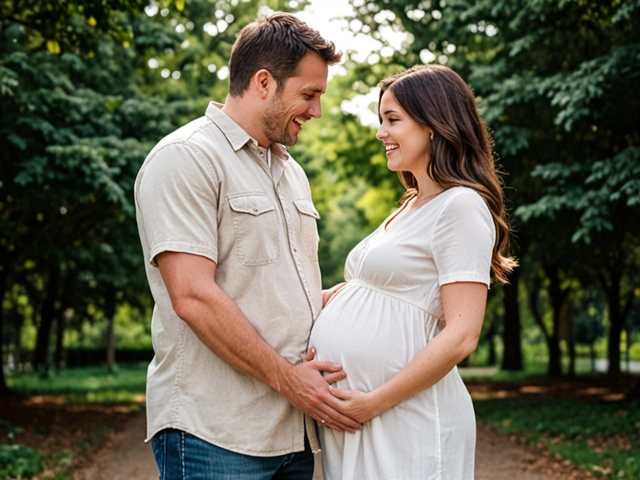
125	456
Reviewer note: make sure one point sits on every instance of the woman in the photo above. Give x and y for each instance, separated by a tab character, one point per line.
414	299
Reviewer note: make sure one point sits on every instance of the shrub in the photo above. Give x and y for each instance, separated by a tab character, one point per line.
17	461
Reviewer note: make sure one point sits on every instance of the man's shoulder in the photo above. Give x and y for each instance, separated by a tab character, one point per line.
189	134
200	136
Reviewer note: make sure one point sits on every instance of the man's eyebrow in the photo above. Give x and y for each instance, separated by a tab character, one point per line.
314	89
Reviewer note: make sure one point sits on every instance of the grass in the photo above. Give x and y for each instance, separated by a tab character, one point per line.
126	384
600	437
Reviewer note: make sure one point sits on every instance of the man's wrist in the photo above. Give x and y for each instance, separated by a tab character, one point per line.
279	376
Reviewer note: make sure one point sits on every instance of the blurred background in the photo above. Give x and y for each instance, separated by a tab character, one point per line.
88	87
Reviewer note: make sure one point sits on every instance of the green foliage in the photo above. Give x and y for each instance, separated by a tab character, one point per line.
601	437
70	24
17	461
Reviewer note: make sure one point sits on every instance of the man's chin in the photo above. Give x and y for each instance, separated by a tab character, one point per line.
288	140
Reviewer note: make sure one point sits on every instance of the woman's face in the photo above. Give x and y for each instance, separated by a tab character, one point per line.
406	141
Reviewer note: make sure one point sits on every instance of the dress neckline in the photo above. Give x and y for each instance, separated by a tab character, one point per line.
393	218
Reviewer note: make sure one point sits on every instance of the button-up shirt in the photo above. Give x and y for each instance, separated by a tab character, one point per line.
207	189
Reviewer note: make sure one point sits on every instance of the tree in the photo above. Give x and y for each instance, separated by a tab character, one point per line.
37	88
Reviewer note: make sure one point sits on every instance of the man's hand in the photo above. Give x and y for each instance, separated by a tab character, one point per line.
308	391
330	378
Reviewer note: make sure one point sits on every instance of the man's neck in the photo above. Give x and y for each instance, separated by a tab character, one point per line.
239	109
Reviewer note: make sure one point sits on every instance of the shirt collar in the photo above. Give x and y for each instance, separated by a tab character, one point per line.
235	134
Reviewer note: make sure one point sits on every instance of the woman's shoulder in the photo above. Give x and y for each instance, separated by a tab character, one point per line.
463	197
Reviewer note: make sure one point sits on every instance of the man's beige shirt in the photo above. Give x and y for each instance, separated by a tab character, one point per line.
207	190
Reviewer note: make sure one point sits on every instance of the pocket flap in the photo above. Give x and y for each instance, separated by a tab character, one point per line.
306	207
252	204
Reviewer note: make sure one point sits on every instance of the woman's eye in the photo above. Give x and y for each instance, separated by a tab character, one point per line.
392	120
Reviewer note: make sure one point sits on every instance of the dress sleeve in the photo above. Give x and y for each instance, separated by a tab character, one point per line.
463	240
176	202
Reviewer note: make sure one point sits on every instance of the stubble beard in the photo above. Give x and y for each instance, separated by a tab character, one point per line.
275	123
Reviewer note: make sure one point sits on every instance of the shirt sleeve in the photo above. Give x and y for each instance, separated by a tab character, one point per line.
463	240
176	201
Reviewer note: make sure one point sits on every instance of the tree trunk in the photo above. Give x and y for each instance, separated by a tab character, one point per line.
611	278
61	321
554	368
18	356
110	313
47	316
512	358
628	351
615	327
592	349
4	390
572	356
533	296
66	300
557	296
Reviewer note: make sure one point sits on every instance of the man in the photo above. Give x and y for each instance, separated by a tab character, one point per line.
228	229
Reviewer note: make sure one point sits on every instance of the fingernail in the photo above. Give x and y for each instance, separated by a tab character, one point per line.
331	389
313	350
337	365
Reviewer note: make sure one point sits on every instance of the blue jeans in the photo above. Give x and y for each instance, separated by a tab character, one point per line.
181	456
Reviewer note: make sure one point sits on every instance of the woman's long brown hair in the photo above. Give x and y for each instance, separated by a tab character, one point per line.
461	153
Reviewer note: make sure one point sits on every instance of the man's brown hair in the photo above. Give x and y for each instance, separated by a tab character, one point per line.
275	43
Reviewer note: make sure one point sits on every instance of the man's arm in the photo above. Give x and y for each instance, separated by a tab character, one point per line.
220	325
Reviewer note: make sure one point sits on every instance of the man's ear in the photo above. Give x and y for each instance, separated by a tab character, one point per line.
263	82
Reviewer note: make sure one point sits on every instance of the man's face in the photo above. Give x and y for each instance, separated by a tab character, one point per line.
297	101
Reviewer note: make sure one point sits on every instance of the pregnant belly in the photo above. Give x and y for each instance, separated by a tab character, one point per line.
372	335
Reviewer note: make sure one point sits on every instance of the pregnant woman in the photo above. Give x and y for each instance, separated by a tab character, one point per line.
414	299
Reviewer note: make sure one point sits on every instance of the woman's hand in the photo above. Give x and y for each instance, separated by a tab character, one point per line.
328	294
358	405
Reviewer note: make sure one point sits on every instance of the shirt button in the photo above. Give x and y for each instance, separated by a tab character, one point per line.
295	250
255	210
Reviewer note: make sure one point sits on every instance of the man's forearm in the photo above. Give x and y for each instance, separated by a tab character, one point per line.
222	327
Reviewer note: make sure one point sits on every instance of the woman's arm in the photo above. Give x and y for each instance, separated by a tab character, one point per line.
464	306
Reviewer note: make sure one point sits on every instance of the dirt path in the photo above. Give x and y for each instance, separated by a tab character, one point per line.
126	457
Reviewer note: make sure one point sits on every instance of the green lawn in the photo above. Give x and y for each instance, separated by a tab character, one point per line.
85	385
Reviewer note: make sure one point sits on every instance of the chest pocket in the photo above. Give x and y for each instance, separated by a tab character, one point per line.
308	227
256	227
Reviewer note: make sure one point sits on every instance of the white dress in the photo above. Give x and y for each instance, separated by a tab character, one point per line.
388	311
